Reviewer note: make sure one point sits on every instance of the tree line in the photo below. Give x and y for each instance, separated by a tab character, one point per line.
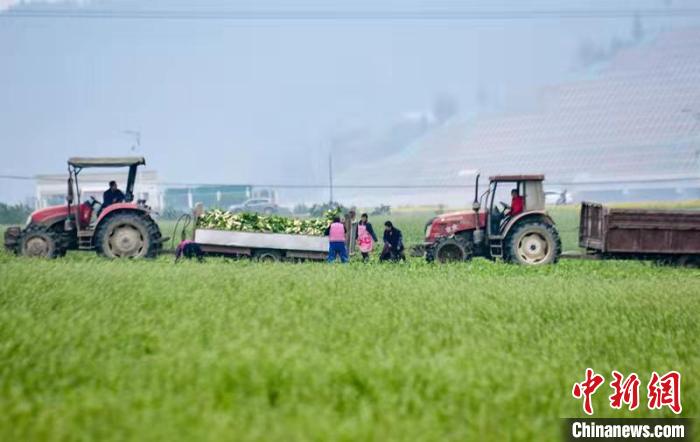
14	214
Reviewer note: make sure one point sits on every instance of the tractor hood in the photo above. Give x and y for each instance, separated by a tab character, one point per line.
41	216
454	222
453	217
54	214
463	220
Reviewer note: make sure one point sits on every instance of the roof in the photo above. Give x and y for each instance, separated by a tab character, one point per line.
517	178
106	161
623	126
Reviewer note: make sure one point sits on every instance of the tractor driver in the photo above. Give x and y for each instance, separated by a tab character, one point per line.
516	204
112	195
516	207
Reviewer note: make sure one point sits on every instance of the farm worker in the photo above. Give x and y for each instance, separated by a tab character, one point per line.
112	195
188	249
350	230
393	244
365	237
336	241
516	205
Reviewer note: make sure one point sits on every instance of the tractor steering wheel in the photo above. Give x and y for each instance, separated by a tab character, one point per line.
503	210
93	202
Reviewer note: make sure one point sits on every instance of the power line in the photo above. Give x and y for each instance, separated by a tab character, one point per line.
17	177
391	186
349	15
263	185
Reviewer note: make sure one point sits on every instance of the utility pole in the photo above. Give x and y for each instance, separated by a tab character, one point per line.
330	175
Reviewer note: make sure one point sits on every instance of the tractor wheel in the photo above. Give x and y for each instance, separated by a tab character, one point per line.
266	255
128	235
533	244
452	249
40	242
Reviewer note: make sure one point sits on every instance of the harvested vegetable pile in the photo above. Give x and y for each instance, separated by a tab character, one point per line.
253	222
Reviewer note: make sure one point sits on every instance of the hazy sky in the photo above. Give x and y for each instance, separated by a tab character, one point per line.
255	101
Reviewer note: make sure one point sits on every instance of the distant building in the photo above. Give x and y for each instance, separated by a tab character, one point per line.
184	198
51	189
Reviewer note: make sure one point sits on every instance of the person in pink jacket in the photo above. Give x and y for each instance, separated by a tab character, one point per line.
365	237
336	241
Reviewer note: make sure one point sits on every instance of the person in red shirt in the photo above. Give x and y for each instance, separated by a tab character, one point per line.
517	203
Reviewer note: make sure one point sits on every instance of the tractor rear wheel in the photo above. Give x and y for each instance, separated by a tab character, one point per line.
127	235
40	242
454	249
533	244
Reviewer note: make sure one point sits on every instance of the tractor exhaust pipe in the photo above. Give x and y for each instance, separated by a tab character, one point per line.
476	206
70	196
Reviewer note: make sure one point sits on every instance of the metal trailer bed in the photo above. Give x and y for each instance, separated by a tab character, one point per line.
640	233
263	246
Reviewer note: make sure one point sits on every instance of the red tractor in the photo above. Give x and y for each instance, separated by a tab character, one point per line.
528	237
121	230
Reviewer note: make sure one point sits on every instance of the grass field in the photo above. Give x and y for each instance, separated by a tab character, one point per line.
92	349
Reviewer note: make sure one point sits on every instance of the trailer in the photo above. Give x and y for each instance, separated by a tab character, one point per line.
663	235
262	246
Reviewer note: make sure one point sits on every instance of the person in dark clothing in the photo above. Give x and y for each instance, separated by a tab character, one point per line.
393	244
365	236
112	195
188	249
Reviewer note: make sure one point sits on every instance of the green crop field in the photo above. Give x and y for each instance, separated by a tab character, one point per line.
92	349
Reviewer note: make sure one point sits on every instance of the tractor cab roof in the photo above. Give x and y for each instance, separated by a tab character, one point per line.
83	162
512	178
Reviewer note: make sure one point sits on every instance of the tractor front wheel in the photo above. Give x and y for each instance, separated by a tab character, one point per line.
453	249
127	235
533	244
40	242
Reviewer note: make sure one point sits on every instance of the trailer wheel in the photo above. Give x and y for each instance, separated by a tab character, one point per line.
692	261
267	255
533	244
453	249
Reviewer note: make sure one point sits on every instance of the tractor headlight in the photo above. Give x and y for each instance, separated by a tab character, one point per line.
28	222
428	226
